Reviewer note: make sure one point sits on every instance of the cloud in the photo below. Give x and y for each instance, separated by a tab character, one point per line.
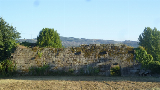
36	3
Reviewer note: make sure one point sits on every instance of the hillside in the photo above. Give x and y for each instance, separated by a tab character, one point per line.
71	41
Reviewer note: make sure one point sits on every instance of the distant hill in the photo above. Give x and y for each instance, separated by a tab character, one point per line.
75	42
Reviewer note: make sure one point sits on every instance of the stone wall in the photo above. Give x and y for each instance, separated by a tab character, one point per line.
103	56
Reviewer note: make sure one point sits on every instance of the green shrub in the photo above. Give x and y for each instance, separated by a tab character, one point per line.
115	71
7	68
40	54
90	71
39	71
143	57
155	67
71	71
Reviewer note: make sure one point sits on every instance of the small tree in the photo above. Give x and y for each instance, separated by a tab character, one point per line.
49	38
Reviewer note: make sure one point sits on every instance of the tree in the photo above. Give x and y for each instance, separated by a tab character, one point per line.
49	38
150	40
156	42
8	36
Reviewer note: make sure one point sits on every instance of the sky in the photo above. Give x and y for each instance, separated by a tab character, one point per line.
117	20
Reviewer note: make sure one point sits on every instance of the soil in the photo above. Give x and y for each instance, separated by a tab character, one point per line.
79	83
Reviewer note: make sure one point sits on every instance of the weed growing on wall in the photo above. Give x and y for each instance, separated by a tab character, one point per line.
90	71
39	71
71	71
40	54
115	71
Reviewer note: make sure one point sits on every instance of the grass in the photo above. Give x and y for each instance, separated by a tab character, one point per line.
80	82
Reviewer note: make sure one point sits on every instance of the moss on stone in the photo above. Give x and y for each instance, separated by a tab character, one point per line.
35	49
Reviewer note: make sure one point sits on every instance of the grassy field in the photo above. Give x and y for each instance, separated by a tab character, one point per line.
79	83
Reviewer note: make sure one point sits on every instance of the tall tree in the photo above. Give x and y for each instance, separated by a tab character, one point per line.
156	43
49	38
8	36
150	40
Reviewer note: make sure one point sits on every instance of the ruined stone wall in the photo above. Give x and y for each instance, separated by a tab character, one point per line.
103	56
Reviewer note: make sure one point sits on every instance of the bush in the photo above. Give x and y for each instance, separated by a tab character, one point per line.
90	71
115	71
35	71
71	71
39	71
7	68
155	67
143	57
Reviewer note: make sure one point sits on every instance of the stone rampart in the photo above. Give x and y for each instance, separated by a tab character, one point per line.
103	56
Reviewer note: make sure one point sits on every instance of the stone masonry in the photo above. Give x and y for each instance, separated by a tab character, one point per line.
103	56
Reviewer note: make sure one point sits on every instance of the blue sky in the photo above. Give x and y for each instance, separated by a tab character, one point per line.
117	20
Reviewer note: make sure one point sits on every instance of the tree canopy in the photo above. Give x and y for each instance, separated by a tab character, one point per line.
8	36
49	38
150	40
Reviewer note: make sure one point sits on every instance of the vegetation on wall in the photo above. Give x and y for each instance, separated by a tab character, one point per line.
39	70
115	71
40	54
104	49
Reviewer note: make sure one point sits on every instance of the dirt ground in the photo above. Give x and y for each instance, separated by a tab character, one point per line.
79	83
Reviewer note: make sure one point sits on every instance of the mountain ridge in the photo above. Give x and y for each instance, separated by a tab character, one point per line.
76	42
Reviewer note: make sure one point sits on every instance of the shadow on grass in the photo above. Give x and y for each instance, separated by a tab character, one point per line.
84	78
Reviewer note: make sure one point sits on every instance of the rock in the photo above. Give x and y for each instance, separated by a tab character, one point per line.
145	73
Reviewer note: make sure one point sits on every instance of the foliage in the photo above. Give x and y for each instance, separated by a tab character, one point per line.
115	71
90	71
155	66
27	44
71	71
147	60
8	36
143	57
40	54
39	71
7	68
150	40
49	38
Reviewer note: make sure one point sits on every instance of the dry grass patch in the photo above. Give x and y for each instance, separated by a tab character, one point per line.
80	82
